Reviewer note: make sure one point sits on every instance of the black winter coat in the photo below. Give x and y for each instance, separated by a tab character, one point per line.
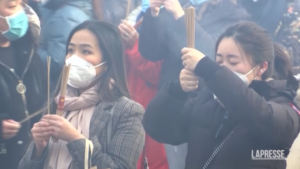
163	37
11	102
261	115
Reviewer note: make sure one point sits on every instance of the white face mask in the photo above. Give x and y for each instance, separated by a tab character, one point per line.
244	77
82	73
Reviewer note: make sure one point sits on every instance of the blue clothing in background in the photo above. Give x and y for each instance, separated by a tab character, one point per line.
197	2
145	5
60	17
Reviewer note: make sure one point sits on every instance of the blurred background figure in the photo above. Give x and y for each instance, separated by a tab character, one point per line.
34	4
281	18
163	35
59	17
22	82
142	76
113	11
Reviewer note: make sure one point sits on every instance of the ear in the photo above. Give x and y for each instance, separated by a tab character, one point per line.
263	68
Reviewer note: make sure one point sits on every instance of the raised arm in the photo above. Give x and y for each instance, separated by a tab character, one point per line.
271	120
152	40
168	114
148	70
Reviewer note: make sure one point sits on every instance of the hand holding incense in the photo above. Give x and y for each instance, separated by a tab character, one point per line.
63	89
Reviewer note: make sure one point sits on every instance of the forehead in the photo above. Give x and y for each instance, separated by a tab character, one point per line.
84	37
9	7
228	46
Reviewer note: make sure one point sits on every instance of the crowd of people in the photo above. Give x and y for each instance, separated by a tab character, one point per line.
137	96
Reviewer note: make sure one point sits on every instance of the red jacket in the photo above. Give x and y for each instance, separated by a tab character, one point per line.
142	76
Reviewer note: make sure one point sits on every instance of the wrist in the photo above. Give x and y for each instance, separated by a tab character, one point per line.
76	136
38	151
178	14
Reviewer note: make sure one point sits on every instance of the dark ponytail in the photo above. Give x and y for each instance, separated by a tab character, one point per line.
282	65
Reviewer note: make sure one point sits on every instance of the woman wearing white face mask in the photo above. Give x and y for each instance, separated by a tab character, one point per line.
97	110
257	121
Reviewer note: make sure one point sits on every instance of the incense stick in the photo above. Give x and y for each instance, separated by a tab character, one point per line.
48	84
63	89
48	95
33	115
128	8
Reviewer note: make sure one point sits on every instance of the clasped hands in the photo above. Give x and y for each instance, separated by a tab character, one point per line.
56	126
190	58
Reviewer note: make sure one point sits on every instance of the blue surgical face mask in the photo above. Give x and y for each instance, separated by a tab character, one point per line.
197	2
145	5
17	25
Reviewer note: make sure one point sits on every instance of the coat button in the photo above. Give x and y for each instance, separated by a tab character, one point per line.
25	52
20	142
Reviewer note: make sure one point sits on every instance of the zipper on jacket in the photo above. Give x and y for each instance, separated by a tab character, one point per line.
226	118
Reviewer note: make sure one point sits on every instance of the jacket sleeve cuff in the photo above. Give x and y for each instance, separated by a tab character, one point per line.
175	90
76	147
206	67
30	162
41	160
180	24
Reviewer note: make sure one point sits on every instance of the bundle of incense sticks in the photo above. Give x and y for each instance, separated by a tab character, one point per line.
62	94
190	26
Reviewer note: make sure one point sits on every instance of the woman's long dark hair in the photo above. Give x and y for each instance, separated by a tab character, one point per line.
111	47
257	44
283	65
